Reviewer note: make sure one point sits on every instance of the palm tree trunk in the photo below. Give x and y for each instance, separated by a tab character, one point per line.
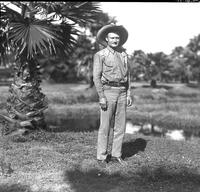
26	102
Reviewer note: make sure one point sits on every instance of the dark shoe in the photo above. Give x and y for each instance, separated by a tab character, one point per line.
102	161
106	160
117	160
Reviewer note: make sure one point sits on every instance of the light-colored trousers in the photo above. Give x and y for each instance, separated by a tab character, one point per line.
116	97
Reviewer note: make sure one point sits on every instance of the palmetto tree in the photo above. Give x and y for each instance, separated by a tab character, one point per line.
30	30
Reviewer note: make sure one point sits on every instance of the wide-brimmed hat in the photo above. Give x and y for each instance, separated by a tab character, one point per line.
119	29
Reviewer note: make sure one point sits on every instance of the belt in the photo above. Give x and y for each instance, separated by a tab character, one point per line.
116	84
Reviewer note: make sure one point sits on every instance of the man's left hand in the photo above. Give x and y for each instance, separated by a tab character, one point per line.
129	101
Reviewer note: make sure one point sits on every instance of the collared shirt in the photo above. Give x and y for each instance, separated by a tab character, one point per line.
110	65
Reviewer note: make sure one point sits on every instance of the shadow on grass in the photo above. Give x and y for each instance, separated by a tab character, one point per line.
179	174
152	181
14	188
133	147
92	180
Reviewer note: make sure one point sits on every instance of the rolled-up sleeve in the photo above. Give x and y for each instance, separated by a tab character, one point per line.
97	73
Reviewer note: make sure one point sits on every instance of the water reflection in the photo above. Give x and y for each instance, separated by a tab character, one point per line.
91	122
61	124
175	135
155	130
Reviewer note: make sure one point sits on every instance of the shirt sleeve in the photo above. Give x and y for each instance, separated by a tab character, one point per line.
97	74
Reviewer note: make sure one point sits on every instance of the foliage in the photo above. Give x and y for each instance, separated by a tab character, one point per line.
44	27
193	57
152	66
138	62
181	65
32	30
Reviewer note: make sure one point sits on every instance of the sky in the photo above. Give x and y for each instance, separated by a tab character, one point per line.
155	27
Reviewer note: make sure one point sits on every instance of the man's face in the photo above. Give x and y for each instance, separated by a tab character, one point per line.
113	39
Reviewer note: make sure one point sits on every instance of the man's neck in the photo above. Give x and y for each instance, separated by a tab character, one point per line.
118	49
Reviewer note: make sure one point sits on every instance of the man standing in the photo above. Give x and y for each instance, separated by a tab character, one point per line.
111	77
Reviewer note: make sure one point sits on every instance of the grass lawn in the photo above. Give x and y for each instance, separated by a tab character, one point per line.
65	161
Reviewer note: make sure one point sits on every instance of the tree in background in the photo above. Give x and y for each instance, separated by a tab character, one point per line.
183	64
138	62
151	67
178	64
159	67
185	61
192	55
31	30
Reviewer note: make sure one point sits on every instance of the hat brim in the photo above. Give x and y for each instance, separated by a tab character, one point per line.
119	29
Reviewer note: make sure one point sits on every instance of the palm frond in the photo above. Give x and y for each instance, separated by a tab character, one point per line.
32	38
9	14
67	34
81	12
30	35
3	46
78	12
49	7
40	36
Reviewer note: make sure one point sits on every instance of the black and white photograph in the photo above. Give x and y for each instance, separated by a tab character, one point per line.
99	96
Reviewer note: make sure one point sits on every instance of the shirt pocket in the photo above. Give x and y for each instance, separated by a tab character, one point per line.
108	63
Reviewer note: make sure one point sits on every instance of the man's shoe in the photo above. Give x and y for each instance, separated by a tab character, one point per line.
102	161
117	160
106	160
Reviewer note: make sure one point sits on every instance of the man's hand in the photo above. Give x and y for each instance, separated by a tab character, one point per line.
129	101
103	103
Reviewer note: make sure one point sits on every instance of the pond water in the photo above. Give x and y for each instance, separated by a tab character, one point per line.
91	122
154	130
